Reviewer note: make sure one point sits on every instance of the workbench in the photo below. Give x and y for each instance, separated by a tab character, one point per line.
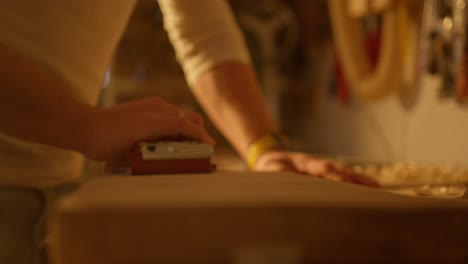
242	217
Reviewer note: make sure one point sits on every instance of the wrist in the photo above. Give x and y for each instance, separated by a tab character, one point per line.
263	144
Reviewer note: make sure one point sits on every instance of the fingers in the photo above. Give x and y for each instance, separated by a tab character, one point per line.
169	120
159	105
190	129
195	117
271	165
166	126
312	165
347	175
114	131
337	172
362	180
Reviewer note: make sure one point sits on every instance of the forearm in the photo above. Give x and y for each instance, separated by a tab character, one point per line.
230	94
36	106
212	51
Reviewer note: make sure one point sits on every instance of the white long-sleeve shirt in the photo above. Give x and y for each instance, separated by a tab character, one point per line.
77	38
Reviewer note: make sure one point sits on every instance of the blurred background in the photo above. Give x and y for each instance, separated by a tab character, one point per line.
295	57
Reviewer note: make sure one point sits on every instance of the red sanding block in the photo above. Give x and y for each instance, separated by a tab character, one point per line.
171	156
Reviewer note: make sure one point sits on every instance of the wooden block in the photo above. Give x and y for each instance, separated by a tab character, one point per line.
171	157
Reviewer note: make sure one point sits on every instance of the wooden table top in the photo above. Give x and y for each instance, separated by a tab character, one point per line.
218	217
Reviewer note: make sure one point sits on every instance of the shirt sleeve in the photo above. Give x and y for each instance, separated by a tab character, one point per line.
73	38
204	33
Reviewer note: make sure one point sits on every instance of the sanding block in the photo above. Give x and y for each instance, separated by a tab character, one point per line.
171	156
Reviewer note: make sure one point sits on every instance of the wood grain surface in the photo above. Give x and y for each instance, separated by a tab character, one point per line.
228	217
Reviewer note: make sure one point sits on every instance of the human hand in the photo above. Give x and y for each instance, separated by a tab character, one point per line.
304	163
114	131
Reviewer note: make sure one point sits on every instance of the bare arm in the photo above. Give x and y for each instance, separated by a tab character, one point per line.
212	52
37	106
214	56
230	94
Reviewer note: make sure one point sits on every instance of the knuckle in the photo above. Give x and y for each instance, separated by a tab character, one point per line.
196	115
328	167
182	124
198	119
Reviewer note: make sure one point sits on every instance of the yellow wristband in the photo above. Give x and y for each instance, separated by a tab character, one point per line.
260	146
